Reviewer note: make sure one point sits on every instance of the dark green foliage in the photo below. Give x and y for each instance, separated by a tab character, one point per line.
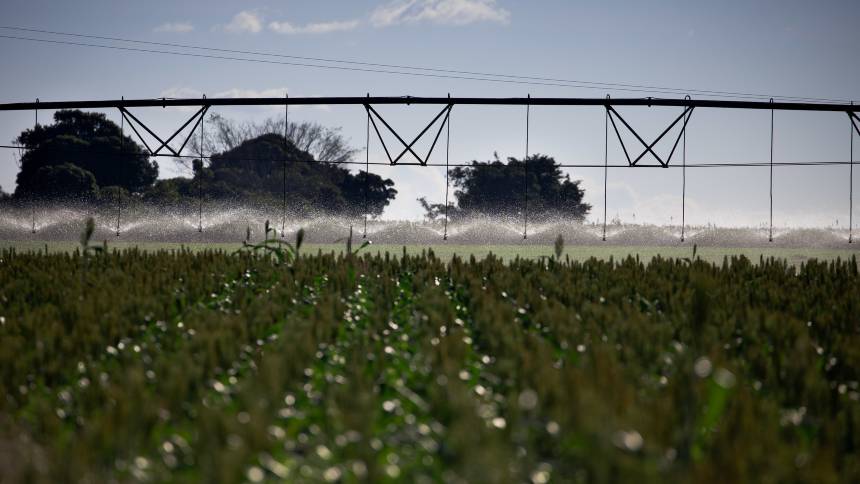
89	142
282	252
172	191
349	250
66	182
496	188
254	171
81	152
209	367
111	195
437	211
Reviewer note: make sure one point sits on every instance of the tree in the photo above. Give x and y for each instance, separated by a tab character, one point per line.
66	182
257	169
380	192
222	135
436	211
88	141
498	189
113	195
170	192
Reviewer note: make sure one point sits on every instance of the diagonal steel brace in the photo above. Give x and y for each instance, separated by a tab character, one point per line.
132	119
854	120
373	115
649	148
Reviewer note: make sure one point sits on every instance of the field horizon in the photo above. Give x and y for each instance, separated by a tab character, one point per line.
507	252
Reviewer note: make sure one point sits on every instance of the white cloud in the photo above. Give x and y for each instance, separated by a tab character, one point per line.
175	27
236	92
449	12
242	93
245	21
181	92
313	28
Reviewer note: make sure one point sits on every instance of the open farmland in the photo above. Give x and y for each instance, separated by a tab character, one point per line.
190	366
507	252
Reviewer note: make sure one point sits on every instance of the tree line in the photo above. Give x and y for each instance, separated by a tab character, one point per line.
85	157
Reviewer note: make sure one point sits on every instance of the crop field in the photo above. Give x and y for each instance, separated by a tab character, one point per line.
210	366
507	252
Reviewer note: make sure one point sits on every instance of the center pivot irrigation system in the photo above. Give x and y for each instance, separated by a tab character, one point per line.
374	120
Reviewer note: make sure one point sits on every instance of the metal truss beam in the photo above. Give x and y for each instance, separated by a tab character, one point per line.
373	115
649	148
854	120
406	100
133	121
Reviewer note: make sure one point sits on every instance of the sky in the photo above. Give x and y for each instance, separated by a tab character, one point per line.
764	48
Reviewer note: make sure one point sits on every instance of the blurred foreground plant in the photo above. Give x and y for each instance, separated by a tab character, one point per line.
283	252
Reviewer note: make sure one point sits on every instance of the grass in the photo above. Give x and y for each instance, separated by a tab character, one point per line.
793	256
201	366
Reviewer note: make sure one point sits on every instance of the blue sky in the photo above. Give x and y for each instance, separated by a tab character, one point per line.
788	48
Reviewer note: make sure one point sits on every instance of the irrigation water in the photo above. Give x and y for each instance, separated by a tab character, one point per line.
231	223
